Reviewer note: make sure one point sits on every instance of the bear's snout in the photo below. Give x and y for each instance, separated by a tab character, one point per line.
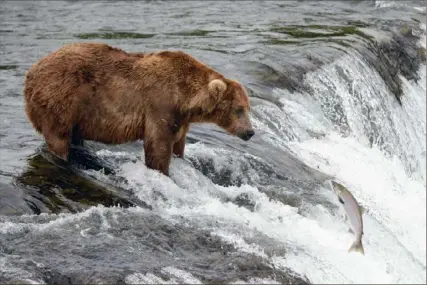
246	135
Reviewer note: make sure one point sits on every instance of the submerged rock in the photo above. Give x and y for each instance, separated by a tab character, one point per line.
400	55
54	188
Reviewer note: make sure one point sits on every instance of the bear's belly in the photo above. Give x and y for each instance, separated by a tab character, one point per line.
111	130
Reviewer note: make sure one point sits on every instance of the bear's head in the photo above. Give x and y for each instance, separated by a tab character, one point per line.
226	103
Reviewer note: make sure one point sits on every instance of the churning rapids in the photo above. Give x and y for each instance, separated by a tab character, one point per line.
338	91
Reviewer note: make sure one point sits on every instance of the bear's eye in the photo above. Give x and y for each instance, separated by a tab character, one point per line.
240	111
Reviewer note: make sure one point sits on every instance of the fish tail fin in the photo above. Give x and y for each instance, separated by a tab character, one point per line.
357	246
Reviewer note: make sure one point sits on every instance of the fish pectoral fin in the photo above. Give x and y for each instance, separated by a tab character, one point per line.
350	231
362	210
340	200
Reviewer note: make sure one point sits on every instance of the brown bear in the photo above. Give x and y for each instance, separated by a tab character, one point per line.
92	91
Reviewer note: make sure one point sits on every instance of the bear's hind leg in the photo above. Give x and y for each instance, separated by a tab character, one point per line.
57	143
59	147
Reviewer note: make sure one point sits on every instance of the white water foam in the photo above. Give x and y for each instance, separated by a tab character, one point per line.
393	190
373	114
396	202
51	222
178	276
175	276
17	275
316	246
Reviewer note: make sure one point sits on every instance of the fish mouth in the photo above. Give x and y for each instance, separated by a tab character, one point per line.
336	187
334	184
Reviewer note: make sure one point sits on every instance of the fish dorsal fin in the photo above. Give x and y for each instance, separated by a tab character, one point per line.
362	209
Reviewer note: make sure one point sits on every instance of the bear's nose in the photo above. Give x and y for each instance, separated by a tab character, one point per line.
250	133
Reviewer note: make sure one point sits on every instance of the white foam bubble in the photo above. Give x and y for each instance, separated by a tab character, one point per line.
148	278
55	221
109	153
175	276
183	277
240	243
256	280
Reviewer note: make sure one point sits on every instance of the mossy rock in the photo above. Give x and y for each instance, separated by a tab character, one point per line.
193	33
422	53
61	188
114	35
298	31
8	67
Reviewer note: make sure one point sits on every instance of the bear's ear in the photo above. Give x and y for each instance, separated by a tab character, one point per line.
207	101
217	88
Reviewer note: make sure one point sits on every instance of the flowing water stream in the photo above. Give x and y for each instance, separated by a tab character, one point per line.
338	91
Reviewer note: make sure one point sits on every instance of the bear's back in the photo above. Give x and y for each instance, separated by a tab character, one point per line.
77	55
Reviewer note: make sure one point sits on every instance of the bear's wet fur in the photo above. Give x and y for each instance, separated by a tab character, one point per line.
92	91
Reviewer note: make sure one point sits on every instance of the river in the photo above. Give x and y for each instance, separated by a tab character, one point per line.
338	92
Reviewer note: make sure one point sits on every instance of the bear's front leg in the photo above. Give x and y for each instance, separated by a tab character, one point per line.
178	147
158	154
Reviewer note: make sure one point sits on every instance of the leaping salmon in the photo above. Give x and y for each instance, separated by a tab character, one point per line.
353	214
